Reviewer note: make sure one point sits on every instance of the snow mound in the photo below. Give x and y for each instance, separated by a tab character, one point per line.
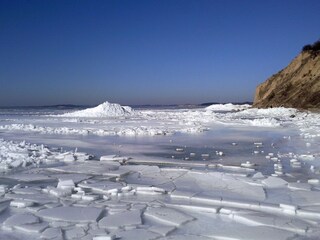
228	107
280	112
263	122
105	109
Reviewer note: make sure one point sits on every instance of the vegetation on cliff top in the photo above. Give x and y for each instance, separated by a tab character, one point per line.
315	47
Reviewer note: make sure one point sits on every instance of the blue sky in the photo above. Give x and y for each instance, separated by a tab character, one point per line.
147	52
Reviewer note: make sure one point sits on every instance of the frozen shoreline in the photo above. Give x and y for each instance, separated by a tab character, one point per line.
202	192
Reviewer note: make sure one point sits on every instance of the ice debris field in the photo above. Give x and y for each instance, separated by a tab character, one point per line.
112	172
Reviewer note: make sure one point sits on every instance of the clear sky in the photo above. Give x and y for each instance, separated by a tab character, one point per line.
147	52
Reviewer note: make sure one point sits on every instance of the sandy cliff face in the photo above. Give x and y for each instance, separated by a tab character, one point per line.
297	85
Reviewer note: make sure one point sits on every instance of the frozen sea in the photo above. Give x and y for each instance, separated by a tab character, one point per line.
112	172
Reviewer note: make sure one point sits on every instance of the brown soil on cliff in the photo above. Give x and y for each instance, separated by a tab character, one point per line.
297	85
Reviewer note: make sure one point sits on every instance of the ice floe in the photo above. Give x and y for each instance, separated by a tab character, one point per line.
71	214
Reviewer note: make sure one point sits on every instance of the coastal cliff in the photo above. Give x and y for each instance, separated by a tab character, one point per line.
297	85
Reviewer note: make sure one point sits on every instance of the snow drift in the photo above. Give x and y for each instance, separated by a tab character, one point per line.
105	109
227	107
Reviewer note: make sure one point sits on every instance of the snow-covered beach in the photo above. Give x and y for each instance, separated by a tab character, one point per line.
111	172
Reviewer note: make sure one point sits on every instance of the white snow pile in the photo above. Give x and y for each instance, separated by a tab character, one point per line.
21	154
105	109
279	112
263	122
227	107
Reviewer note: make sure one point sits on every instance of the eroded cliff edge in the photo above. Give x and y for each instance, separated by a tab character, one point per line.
297	85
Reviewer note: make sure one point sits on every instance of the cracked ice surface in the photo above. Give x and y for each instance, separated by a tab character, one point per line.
254	174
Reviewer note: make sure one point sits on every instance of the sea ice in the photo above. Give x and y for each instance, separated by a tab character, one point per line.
127	218
274	182
104	237
71	214
162	230
20	219
236	196
52	233
75	233
66	184
4	204
115	158
167	216
21	203
32	228
140	234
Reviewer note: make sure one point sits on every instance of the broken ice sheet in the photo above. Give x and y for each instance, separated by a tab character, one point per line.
103	186
218	184
167	216
93	168
26	177
162	230
127	218
140	234
20	219
32	228
71	214
219	199
52	233
40	198
274	182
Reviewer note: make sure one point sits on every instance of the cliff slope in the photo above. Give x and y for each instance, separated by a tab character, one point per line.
297	85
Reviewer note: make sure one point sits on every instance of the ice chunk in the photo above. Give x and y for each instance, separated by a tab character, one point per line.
75	233
301	197
306	157
115	158
274	182
168	216
75	177
71	214
36	198
3	188
59	192
263	219
140	234
314	181
19	203
66	184
26	190
52	233
24	177
32	228
104	237
94	168
258	175
299	186
190	237
69	158
104	187
217	184
182	194
179	149
20	219
150	190
247	164
4	204
127	218
162	230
